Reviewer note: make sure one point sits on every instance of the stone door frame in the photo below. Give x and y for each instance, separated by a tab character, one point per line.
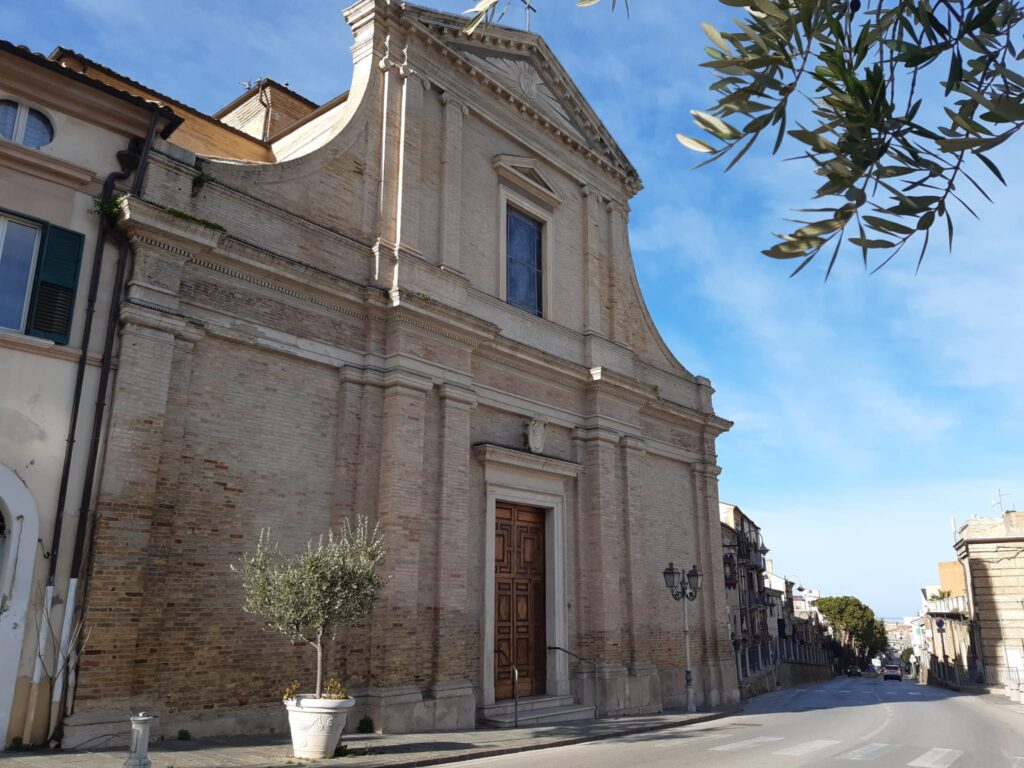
21	518
517	477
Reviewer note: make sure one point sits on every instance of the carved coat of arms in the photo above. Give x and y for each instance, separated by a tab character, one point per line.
535	435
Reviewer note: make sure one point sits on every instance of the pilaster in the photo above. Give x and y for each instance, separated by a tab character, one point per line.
599	589
397	626
455	632
590	224
451	183
128	502
633	452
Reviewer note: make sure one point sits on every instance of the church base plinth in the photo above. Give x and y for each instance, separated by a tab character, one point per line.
446	706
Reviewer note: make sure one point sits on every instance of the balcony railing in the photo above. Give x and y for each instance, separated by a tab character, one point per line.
947	605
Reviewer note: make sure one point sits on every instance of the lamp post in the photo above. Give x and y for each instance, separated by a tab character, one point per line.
687	589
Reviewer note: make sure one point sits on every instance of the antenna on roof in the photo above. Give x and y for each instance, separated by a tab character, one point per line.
999	501
250	84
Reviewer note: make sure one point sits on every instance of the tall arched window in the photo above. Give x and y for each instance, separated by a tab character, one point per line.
24	125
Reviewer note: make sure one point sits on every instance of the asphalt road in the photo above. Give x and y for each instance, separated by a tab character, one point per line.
844	723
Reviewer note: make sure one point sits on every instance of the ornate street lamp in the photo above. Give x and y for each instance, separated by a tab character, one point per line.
687	589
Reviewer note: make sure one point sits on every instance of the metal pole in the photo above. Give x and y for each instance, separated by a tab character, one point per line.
942	639
691	704
515	695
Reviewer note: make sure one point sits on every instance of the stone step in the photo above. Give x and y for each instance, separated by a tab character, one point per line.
526	704
544	716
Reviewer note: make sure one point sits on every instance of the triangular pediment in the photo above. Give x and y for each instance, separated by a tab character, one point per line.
524	67
521	76
524	172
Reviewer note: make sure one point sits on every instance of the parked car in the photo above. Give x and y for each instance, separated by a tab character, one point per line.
893	671
853	672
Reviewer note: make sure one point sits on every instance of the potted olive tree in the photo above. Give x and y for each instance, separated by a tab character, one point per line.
308	597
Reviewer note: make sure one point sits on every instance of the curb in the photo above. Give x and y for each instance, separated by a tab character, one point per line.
478	754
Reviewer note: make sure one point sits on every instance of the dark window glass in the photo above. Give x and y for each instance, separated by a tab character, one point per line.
38	130
8	117
17	256
524	254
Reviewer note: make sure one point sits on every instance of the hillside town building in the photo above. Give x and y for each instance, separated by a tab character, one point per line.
415	302
991	552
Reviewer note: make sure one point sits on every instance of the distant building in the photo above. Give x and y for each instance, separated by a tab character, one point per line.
991	551
747	600
951	579
897	634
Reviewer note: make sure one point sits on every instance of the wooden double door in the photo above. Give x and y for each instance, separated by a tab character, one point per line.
520	635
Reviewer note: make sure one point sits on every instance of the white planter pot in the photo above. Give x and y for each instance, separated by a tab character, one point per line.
316	724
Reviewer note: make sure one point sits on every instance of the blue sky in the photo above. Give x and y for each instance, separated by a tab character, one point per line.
869	410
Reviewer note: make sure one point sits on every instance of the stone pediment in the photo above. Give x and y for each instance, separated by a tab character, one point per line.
523	78
522	65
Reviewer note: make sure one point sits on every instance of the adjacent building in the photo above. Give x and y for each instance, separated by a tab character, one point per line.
414	302
65	142
991	554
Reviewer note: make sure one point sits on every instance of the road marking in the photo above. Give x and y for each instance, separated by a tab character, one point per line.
807	747
736	746
914	693
867	752
936	758
683	741
845	690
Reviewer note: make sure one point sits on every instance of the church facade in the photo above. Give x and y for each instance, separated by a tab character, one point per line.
416	302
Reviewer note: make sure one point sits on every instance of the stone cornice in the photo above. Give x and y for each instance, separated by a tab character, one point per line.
459	395
405	381
41	165
491	455
350	305
152	225
158	319
423	312
596	434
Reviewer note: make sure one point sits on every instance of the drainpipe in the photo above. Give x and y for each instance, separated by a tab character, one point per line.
130	161
82	524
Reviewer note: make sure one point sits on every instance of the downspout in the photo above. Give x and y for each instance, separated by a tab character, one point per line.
130	161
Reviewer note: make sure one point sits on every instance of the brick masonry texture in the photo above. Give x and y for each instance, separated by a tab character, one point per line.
302	367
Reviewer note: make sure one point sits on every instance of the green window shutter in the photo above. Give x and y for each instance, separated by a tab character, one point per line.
53	294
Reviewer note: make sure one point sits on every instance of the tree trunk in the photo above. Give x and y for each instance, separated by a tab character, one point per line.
319	662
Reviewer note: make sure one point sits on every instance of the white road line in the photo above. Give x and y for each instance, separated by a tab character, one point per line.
736	746
683	741
807	747
867	752
936	758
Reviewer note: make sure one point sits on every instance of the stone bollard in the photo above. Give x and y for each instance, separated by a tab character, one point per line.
137	752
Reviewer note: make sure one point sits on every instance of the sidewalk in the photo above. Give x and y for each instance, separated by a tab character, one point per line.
364	751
